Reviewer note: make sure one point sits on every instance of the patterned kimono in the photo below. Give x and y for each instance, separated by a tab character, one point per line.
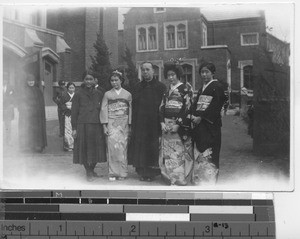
207	134
116	113
66	100
176	156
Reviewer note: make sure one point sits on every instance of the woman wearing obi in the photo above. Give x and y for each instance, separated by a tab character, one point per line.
206	117
176	156
115	116
67	98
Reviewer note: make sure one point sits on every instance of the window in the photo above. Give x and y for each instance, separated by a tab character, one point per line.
176	35
152	38
204	34
249	39
181	38
142	39
156	72
187	73
159	9
170	37
47	68
147	38
248	78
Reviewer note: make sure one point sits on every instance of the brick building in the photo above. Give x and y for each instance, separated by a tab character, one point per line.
29	46
229	39
80	26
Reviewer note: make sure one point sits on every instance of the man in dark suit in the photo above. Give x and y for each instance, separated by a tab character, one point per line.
8	109
57	99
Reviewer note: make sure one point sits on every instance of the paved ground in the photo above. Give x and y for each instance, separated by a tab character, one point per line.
239	169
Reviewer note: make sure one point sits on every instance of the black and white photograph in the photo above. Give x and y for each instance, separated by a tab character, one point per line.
185	97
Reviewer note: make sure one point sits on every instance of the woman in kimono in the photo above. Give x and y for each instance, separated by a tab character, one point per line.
115	117
176	157
206	117
32	118
66	101
89	140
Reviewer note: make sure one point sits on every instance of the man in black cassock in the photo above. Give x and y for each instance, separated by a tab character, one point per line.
146	130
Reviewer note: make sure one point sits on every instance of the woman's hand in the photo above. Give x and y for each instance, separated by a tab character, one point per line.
164	127
106	130
74	133
174	128
69	105
196	119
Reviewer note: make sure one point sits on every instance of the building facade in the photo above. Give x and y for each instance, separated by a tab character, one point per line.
80	27
230	41
29	46
159	34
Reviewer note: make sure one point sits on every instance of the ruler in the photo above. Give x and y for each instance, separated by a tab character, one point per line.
135	215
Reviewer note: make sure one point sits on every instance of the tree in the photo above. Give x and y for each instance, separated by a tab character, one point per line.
101	67
131	72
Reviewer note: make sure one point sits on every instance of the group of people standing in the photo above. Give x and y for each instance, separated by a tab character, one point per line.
159	130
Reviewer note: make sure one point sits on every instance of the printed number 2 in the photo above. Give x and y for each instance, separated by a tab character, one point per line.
133	228
207	229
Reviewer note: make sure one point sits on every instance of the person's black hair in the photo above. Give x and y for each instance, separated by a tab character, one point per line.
209	65
61	82
170	66
87	72
119	75
148	63
69	84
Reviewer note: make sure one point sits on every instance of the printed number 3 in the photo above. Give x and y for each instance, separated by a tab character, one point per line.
207	229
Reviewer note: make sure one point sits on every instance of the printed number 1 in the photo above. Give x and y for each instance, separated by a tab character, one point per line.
133	228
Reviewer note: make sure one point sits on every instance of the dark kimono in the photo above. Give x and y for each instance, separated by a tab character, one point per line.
146	128
207	134
32	120
176	157
57	98
89	145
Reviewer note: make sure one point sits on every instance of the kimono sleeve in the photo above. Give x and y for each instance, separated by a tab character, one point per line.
162	109
75	111
104	109
130	108
213	111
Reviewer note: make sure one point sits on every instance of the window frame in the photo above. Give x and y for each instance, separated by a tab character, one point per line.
249	44
204	34
146	26
250	73
242	65
176	24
